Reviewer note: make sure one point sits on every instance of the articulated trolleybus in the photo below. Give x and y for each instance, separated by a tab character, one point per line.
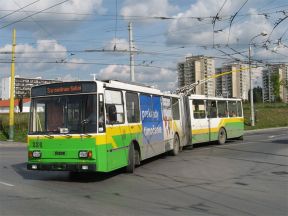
106	125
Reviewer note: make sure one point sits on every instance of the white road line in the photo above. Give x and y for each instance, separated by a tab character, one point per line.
4	183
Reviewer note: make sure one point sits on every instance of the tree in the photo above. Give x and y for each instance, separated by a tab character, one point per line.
257	95
276	86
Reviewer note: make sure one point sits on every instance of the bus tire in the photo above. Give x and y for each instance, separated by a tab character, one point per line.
222	136
133	155
176	146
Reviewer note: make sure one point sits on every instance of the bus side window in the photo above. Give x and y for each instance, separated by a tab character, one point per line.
114	107
211	109
198	109
239	109
132	107
232	108
222	109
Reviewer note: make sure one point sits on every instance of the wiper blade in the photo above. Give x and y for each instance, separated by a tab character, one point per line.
85	135
49	136
67	135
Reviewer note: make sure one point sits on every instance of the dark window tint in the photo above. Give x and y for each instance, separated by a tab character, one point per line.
222	109
132	107
198	107
175	109
211	109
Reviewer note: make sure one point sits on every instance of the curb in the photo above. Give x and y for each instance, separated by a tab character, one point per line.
265	129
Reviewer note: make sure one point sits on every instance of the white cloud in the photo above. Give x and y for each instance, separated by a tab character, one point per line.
116	72
147	8
52	20
192	31
40	57
161	78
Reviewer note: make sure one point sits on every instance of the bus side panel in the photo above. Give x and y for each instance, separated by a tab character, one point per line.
234	127
117	149
101	153
118	140
152	125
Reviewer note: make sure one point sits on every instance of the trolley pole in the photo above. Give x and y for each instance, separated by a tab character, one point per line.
12	89
132	75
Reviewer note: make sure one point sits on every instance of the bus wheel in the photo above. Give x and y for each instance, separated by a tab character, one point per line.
222	136
176	146
132	158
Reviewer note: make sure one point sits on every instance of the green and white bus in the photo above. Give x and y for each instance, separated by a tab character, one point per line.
100	126
106	125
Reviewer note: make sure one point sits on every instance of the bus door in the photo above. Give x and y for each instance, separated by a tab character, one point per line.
115	119
199	122
167	123
213	120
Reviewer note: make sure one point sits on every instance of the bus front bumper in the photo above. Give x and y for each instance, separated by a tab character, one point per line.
62	167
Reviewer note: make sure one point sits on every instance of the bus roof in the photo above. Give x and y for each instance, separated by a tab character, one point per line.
204	97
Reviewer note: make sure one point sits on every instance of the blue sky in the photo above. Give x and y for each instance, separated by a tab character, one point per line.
56	42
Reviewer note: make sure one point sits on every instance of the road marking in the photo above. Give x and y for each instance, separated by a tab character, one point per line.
4	183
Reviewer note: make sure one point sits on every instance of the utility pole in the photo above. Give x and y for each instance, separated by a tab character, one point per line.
12	89
132	75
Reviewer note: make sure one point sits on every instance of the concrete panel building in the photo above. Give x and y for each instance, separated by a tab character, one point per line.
196	68
275	73
22	86
234	85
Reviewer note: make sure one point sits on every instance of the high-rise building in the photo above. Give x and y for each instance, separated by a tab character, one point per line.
196	68
274	75
235	84
22	86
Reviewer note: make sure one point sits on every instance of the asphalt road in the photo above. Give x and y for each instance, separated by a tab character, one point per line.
247	177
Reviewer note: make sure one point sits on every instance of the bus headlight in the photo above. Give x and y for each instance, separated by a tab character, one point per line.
36	154
85	154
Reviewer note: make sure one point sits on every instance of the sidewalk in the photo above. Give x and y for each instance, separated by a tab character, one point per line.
12	144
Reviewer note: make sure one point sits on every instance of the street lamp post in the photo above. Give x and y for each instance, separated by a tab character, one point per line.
250	79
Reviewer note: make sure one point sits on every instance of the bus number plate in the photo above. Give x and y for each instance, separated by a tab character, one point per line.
37	144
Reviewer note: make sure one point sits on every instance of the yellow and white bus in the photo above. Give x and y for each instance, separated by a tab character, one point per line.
215	119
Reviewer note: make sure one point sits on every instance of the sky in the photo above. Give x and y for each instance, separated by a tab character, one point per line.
73	39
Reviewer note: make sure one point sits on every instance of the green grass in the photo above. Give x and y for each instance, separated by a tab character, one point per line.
20	127
268	115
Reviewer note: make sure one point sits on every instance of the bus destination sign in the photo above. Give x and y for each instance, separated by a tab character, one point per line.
64	89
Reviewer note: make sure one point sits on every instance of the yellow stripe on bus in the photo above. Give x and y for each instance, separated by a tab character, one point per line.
222	123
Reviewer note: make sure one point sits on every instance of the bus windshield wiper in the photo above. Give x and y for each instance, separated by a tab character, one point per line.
67	135
49	136
85	135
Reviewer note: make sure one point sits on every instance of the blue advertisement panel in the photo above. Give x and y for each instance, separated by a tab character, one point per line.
151	115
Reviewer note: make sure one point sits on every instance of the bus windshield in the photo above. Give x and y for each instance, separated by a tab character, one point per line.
63	114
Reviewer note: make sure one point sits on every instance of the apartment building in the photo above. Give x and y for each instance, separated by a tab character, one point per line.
22	86
275	73
233	85
196	68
